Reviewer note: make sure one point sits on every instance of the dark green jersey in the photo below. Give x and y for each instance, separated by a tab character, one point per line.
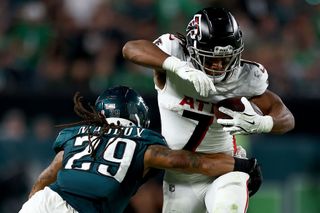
107	182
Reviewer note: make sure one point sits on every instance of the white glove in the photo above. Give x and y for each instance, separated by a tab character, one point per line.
246	122
201	82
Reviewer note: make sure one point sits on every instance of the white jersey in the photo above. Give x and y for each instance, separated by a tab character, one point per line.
188	122
187	119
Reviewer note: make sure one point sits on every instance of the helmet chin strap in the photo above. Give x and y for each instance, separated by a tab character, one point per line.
121	121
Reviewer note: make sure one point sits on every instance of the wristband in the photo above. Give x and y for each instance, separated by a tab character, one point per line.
243	165
171	63
267	124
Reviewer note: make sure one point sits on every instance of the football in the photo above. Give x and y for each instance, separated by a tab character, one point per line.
234	104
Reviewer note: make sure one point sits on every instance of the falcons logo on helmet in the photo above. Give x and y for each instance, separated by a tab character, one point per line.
193	28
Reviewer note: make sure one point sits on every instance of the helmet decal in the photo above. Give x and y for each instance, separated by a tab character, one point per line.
109	106
194	28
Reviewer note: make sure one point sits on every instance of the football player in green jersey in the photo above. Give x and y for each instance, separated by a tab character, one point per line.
102	160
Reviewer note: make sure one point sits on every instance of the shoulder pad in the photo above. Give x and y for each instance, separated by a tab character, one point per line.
64	136
257	76
169	44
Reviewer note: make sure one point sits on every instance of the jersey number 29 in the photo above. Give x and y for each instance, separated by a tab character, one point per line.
108	155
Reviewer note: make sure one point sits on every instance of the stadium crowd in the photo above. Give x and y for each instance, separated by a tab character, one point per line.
61	46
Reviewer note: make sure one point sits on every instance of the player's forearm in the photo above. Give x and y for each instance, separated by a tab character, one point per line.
181	160
283	121
216	164
272	105
45	178
49	175
213	165
198	163
145	53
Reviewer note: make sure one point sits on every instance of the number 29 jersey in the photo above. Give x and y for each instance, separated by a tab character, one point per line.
106	182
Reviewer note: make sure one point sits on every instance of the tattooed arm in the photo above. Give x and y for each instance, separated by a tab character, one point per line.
162	157
49	175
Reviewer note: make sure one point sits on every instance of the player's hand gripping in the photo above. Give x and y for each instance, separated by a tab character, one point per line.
246	122
201	82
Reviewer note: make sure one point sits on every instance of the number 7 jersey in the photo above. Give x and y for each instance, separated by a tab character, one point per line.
106	182
187	119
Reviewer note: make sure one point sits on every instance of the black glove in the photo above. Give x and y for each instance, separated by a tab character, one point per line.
251	167
255	180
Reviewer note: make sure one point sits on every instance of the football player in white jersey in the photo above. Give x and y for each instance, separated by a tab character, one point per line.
191	74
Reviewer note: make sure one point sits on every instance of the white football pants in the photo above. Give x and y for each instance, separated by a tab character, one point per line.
226	194
46	201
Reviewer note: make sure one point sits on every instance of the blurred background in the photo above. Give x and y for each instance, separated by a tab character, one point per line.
50	49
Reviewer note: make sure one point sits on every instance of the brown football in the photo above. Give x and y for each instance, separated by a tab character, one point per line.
234	104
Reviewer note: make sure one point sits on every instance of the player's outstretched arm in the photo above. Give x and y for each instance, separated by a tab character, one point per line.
49	175
145	53
162	157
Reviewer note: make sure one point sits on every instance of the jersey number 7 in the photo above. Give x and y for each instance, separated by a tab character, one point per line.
204	121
